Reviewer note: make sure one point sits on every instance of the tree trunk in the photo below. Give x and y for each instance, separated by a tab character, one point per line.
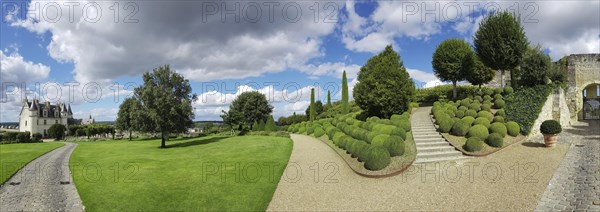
502	79
130	135
162	145
453	90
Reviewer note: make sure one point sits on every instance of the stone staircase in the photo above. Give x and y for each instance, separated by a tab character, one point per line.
431	146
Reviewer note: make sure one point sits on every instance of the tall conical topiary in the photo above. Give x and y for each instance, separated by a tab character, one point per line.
328	98
345	106
270	125
312	104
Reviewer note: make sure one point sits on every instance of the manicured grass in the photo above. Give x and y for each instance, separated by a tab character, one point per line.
200	174
14	156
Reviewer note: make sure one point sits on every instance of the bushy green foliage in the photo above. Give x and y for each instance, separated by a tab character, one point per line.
302	130
513	128
36	137
270	125
479	130
465	102
445	124
534	67
378	158
482	121
395	145
460	128
499	104
550	127
499	119
459	114
379	140
310	130
524	105
448	61
485	114
434	94
384	87
499	128
471	113
319	132
487	98
399	132
23	137
468	120
474	144
57	131
463	108
475	106
500	113
486	107
476	72
508	90
495	140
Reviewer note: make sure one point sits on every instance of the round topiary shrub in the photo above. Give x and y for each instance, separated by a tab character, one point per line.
487	102
379	140
513	128
500	113
310	130
499	128
479	98
373	119
465	102
399	132
302	130
550	127
499	104
485	114
498	119
488	91
449	113
361	151
459	114
337	136
445	125
405	124
319	132
498	96
487	98
482	121
508	90
479	131
394	145
377	159
471	113
495	140
460	128
474	144
463	108
475	106
468	120
497	91
486	107
371	136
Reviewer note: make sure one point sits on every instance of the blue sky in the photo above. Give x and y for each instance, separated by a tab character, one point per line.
283	57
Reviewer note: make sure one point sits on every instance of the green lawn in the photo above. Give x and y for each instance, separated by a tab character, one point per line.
211	173
14	156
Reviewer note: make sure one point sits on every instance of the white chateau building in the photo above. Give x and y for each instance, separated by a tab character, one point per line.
37	117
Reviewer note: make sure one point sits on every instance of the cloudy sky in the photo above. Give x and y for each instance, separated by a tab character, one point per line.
92	54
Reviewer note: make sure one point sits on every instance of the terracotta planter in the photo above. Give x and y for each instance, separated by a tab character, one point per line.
550	139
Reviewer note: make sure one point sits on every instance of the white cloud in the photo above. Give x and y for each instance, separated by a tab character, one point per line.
332	69
200	46
15	69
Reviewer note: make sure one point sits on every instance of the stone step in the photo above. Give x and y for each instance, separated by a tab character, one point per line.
422	128
439	159
428	155
431	144
426	136
429	140
446	148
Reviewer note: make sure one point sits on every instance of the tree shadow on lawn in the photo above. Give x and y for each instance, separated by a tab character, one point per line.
196	141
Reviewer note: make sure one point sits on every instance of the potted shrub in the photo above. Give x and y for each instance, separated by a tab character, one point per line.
550	129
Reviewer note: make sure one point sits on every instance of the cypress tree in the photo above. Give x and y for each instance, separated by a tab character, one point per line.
345	106
312	104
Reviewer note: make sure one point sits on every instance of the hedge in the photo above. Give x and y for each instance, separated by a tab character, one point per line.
479	131
378	158
513	128
474	144
495	140
498	128
524	105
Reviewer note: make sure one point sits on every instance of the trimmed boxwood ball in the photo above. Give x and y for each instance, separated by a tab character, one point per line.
394	145
379	140
302	130
501	113
482	121
399	132
485	114
371	136
488	91
495	140
486	107
337	136
550	127
450	113
310	130
459	114
487	98
474	144
497	91
499	128
513	128
468	120
377	159
479	131
463	108
465	102
359	150
487	102
405	124
471	113
508	90
446	125
499	104
499	119
498	96
460	128
479	98
319	132
475	106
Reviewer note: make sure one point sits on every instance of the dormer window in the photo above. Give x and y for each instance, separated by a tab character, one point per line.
45	113
55	114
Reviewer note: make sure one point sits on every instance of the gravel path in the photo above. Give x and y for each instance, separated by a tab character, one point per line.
316	179
576	183
45	184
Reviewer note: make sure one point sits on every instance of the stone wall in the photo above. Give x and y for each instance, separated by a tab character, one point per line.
582	70
545	114
555	108
496	81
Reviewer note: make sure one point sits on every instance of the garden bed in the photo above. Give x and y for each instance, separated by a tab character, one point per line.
459	143
397	165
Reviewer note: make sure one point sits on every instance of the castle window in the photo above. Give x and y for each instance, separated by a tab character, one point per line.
44	122
25	123
45	113
56	114
56	121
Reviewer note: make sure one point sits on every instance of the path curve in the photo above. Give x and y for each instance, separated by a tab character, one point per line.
317	179
45	184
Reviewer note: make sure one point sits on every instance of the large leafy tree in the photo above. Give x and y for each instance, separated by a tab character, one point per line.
345	104
128	118
166	99
534	67
384	87
476	72
57	131
448	61
246	108
500	42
